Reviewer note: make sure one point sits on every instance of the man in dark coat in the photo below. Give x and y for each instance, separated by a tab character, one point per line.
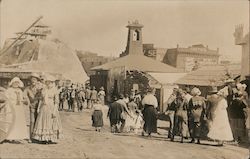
114	114
87	97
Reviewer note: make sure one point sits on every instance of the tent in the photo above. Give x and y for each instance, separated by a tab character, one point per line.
210	75
39	55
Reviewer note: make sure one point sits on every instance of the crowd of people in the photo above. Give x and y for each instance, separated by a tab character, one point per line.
221	116
41	97
75	98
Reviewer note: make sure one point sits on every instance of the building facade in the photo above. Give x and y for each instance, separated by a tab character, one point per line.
191	58
156	53
90	60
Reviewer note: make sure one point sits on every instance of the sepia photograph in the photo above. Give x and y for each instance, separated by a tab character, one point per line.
124	79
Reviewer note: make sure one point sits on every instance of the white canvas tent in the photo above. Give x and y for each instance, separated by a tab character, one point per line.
165	82
45	56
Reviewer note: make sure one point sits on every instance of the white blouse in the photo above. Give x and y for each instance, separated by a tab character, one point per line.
150	99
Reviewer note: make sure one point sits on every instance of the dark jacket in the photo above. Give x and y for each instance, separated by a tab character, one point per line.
236	109
115	111
196	108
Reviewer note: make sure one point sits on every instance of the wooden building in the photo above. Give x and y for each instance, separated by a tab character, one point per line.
132	70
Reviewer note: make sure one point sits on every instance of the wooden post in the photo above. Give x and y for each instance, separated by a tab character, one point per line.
162	98
39	18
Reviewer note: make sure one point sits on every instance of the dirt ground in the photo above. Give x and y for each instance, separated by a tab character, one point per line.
81	141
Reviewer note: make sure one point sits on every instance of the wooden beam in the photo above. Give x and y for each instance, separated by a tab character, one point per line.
39	18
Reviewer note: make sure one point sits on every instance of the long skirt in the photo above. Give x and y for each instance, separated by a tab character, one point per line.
97	118
149	115
220	128
47	128
19	130
238	128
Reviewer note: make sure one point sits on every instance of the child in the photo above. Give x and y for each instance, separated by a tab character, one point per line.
97	115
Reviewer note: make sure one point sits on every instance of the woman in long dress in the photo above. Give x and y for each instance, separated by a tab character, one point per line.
131	117
48	126
97	115
150	113
19	130
101	95
220	129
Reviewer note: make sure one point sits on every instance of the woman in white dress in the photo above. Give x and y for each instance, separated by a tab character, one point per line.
220	129
14	93
101	95
48	128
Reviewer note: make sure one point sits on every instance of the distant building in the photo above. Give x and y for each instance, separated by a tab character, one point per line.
90	60
192	57
154	52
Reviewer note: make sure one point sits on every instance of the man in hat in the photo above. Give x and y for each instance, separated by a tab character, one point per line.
88	97
114	114
32	93
170	111
93	96
230	83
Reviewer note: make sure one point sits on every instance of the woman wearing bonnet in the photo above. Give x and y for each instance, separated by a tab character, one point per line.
48	128
14	93
220	129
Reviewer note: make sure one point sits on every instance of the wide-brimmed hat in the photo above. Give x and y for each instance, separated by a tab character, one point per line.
35	75
16	79
196	91
213	90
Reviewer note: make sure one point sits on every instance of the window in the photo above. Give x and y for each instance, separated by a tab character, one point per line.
136	35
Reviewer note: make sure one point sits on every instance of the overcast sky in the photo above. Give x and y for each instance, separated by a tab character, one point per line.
99	26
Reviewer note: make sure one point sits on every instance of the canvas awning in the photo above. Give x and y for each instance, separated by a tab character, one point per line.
167	78
210	75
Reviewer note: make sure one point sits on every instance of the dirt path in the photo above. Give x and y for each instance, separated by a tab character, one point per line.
81	141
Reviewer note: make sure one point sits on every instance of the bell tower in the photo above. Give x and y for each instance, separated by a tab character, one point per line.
134	42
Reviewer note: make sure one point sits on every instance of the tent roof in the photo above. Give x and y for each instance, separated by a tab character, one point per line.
167	78
138	62
46	56
209	74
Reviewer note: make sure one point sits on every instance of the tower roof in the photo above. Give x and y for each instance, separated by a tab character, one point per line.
135	24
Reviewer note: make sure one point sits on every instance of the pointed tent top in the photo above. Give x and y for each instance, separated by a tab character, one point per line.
138	62
41	25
